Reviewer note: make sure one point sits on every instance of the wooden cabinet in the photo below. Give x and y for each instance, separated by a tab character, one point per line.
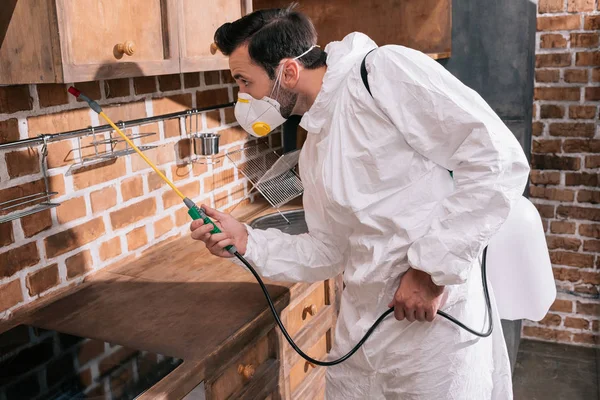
198	21
268	368
81	40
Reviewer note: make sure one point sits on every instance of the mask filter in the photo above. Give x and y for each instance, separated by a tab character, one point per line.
259	117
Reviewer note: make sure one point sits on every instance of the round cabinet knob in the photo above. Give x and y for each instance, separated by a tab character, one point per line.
213	48
127	48
247	371
309	310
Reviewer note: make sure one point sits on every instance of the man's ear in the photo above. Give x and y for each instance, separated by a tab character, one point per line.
291	74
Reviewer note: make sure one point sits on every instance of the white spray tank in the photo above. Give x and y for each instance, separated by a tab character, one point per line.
518	265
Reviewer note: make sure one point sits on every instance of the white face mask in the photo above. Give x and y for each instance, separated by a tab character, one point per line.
259	117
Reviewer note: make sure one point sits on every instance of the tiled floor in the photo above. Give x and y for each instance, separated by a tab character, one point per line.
548	371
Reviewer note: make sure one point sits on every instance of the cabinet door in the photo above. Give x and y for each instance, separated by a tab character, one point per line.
114	38
198	21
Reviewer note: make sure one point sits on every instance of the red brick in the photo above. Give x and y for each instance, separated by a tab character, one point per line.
566	274
162	226
553	41
230	116
559	23
213	119
90	89
590	230
15	192
79	264
147	129
238	192
582	112
9	130
144	84
22	162
103	199
557	93
42	280
552	60
545	177
182	217
90	350
227	77
548	111
552	193
587	58
576	323
546	334
159	156
71	210
7	236
540	161
562	306
592	309
60	154
586	338
546	146
137	238
133	213
191	190
592	161
537	128
232	135
154	181
572	259
52	94
581	146
545	224
212	78
212	97
588	39
99	173
583	179
592	93
592	246
15	98
572	212
596	75
591	278
36	223
596	324
116	88
14	260
545	210
551	320
560	242
580	5
132	187
550	6
10	295
191	80
587	290
181	172
588	196
171	104
184	148
169	82
591	22
576	75
172	128
578	129
73	238
110	249
59	122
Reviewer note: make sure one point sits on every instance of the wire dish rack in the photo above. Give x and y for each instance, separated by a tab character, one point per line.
272	175
41	200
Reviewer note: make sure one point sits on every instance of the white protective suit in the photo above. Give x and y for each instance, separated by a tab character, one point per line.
379	199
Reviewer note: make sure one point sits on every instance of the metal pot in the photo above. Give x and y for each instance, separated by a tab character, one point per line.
206	144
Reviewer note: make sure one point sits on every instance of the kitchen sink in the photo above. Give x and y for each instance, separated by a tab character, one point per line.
295	226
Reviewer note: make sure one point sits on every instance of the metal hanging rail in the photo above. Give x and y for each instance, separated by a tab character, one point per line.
47	138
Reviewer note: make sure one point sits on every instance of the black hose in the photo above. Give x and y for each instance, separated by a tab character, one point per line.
372	328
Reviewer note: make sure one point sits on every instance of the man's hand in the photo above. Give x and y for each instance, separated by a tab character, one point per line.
233	232
417	297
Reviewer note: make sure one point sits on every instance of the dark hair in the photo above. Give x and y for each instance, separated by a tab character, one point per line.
272	35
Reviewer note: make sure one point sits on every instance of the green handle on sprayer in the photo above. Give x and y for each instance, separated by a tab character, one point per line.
197	213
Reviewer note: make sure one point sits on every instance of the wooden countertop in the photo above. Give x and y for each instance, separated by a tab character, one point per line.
177	300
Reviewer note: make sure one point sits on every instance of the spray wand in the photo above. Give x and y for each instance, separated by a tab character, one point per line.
198	213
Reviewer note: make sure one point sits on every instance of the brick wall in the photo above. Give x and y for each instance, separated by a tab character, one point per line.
565	161
115	209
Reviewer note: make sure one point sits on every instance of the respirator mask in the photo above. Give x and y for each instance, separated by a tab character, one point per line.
259	117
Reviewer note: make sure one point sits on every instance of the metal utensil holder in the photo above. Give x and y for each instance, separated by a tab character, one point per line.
42	198
205	144
272	175
102	156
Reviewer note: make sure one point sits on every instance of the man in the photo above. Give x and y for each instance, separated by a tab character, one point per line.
380	204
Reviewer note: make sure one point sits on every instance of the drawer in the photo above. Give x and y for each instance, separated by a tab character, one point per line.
303	369
305	309
244	371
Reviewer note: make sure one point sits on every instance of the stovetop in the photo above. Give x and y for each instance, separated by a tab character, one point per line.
39	364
